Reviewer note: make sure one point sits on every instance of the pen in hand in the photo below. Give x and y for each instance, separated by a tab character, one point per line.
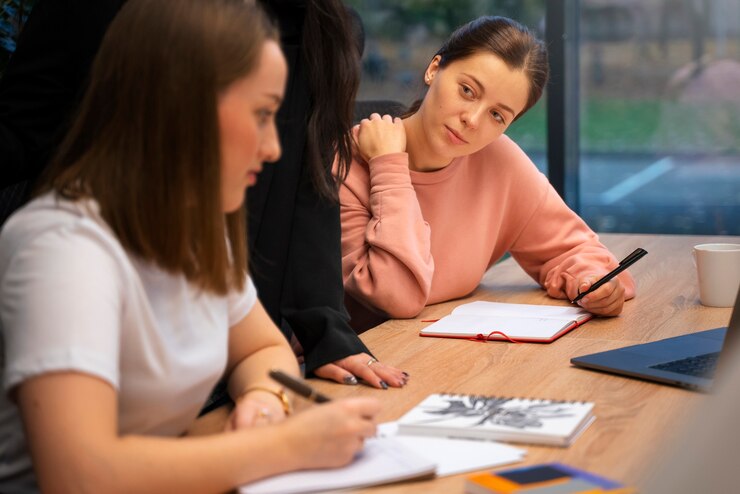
298	386
623	264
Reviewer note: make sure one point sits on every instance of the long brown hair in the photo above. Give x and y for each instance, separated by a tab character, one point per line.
145	143
332	55
507	39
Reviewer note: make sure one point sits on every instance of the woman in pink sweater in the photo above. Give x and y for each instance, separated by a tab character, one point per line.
434	199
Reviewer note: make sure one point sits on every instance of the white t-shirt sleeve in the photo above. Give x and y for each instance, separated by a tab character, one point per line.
241	302
60	306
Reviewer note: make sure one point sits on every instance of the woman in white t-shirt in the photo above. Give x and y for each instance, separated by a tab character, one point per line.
124	296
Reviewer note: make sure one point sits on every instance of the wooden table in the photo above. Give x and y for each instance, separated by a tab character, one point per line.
634	418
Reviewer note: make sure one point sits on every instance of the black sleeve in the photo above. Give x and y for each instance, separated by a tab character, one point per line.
44	80
313	298
294	235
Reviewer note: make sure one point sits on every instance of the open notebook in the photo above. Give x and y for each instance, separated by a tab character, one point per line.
509	322
392	457
382	460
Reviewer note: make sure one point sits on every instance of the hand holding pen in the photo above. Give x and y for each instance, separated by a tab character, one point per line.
298	386
607	302
334	431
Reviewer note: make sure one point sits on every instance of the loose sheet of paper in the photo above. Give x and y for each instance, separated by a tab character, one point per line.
391	457
382	460
454	456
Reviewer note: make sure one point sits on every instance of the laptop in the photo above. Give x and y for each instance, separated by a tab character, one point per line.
688	361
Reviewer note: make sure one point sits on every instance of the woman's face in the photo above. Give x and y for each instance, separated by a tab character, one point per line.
470	103
246	113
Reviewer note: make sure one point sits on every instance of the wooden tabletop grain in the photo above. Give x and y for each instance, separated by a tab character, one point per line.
635	418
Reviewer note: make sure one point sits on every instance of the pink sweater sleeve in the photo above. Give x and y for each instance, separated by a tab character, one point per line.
557	248
386	251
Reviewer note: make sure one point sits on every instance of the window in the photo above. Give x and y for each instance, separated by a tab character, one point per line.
660	116
658	90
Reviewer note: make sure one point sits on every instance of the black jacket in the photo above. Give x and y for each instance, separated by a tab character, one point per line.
294	235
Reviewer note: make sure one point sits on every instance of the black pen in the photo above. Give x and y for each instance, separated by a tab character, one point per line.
624	264
298	386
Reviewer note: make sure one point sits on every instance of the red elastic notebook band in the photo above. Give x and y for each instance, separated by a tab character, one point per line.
484	338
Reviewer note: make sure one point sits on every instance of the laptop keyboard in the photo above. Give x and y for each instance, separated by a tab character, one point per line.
698	366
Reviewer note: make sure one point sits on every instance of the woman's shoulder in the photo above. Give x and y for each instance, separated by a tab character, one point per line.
51	211
50	223
503	164
504	149
357	180
358	169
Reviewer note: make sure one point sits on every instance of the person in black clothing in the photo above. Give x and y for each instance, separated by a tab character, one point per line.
294	228
42	85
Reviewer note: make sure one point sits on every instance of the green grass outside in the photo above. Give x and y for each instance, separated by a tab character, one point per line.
642	126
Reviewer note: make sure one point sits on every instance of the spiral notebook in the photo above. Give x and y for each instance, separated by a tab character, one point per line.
521	420
509	322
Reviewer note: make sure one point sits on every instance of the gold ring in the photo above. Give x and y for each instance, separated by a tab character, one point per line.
371	361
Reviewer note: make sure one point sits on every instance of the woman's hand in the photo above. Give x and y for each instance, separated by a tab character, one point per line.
255	408
376	136
607	300
330	434
365	367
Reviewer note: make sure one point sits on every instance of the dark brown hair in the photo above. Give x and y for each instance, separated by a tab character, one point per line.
507	39
145	143
332	56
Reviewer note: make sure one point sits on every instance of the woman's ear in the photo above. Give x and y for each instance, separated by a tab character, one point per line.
432	70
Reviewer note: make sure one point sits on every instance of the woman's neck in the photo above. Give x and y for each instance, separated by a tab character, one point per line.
421	159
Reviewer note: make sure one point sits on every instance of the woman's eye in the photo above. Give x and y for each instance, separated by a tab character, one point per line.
498	117
264	116
467	91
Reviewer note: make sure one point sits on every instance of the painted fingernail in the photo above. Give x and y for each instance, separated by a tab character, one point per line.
406	374
383	384
350	380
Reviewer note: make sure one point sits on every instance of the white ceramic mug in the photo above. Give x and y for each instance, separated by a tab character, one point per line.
718	268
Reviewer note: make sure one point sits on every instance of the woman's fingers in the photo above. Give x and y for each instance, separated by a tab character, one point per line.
363	367
333	372
607	300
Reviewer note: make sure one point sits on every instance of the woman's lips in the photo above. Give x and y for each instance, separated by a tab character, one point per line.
454	137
